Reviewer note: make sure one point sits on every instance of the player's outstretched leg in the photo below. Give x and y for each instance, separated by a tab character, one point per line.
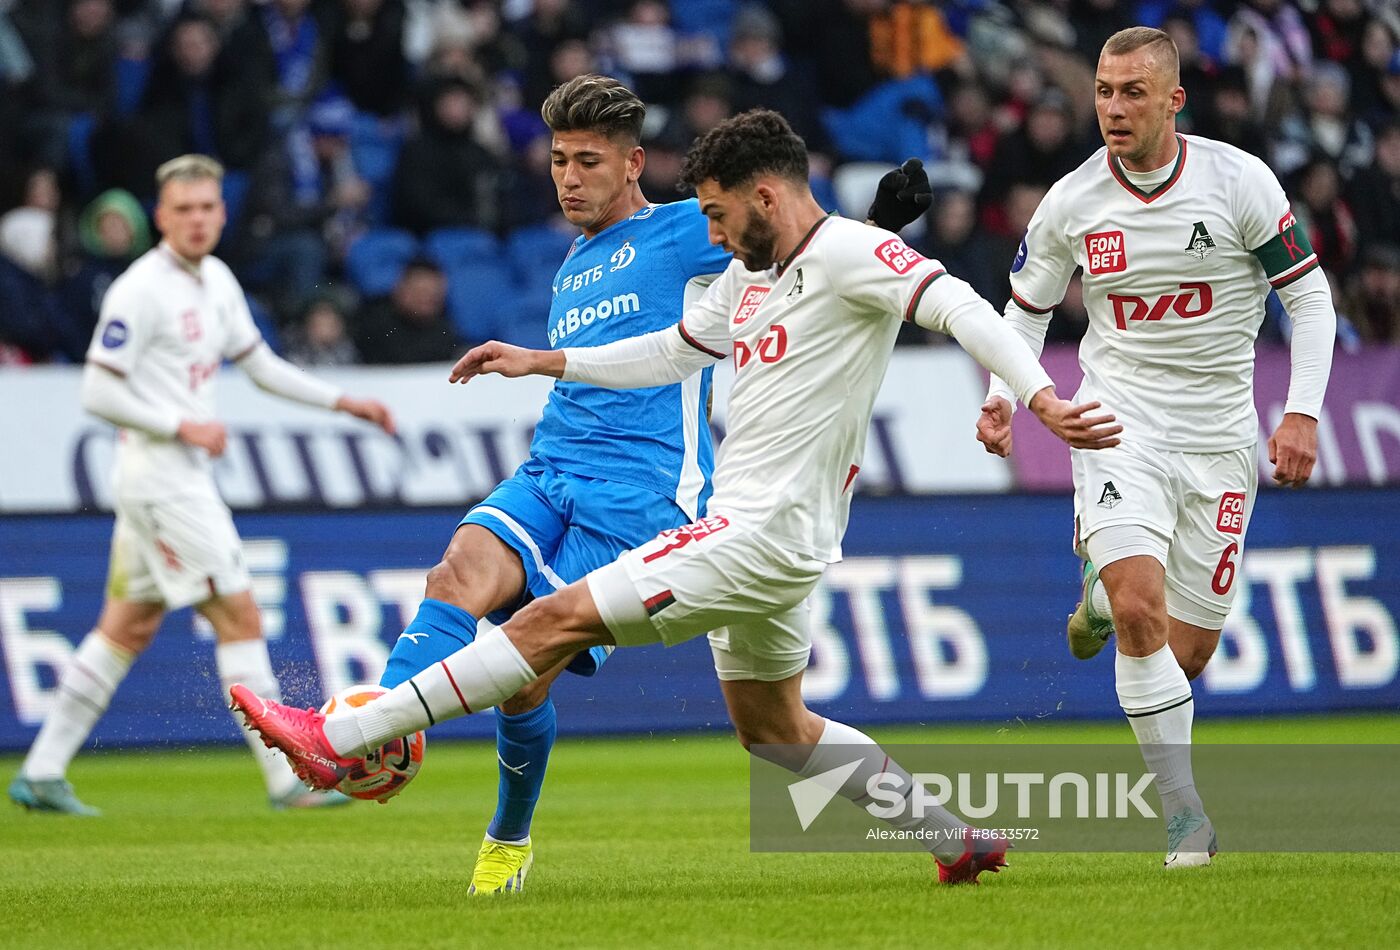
1091	624
773	722
490	670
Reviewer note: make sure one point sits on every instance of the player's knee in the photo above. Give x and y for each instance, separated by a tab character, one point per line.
1136	616
133	637
449	580
530	698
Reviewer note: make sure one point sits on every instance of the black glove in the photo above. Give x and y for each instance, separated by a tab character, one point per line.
901	197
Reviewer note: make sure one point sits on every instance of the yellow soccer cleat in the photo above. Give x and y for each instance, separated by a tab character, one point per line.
501	867
1086	631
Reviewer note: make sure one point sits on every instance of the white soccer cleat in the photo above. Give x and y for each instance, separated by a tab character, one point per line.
1191	841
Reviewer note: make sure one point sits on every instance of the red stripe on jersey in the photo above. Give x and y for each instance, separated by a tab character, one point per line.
696	343
919	294
460	699
1027	305
244	352
1283	280
655	599
107	366
850	477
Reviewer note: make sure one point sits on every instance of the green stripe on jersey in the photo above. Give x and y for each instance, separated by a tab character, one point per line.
1284	252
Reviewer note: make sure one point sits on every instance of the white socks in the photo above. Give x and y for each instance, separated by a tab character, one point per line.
1156	697
840	744
481	675
247	662
1098	600
84	689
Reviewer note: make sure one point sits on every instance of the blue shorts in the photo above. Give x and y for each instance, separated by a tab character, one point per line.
563	526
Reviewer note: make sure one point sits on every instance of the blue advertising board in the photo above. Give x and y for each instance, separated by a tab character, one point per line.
946	608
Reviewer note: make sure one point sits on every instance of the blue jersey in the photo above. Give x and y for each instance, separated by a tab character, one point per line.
632	278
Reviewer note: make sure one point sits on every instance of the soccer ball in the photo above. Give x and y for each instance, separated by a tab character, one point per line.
383	773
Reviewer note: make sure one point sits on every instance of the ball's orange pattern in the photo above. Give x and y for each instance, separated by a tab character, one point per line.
383	773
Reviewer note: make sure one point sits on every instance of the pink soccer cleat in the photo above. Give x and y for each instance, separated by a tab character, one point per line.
982	854
297	732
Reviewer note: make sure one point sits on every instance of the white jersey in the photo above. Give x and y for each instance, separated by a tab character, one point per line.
1174	284
167	328
811	339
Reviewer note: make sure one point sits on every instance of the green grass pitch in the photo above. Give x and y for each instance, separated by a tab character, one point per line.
639	842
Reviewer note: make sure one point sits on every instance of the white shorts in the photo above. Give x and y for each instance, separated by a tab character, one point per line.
178	551
715	575
1189	510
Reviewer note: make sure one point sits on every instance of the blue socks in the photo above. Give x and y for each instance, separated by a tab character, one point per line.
523	742
522	748
438	630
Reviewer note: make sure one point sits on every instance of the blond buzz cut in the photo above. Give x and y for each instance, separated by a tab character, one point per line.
189	168
1158	44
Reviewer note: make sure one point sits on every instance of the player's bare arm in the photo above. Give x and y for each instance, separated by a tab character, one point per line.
506	360
370	410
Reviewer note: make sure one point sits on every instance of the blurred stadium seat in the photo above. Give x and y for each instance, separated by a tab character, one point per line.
374	151
376	259
535	254
453	247
477	294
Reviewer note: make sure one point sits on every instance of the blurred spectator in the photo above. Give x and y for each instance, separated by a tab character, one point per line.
1095	21
321	337
662	172
1368	69
410	325
366	52
760	76
1040	153
705	105
1373	302
446	177
972	129
190	106
112	232
1336	29
1198	74
29	232
300	55
549	25
297	216
1325	216
1021	202
1327	128
244	50
1210	27
77	63
957	241
1390	92
647	51
1374	192
1229	117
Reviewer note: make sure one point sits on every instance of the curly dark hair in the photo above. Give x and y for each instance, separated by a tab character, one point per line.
739	149
595	104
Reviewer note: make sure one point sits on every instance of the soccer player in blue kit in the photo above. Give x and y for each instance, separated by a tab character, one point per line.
608	469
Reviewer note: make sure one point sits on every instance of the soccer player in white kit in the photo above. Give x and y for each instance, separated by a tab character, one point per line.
1180	238
809	309
166	325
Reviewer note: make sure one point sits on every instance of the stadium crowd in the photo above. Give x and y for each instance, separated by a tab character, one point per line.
388	173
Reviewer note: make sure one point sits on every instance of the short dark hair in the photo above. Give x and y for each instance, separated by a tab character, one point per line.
741	148
1162	47
594	103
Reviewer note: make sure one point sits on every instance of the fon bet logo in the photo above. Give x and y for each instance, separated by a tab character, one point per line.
749	303
1105	252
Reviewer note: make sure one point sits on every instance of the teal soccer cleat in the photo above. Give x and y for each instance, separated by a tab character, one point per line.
50	794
